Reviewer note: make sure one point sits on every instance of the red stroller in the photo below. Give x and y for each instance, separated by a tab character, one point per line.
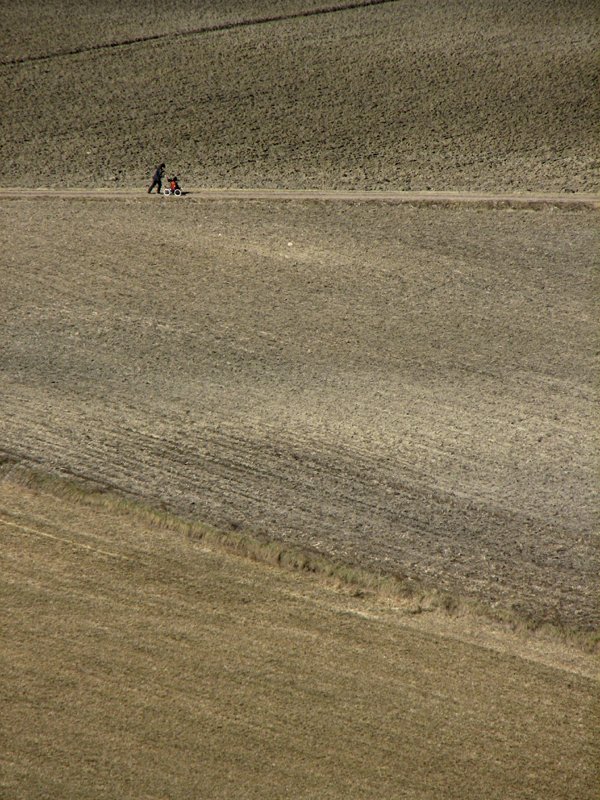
173	187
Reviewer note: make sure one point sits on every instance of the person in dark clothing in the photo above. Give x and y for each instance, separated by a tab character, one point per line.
157	179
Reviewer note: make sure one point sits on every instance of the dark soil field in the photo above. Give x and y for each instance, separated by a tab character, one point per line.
398	95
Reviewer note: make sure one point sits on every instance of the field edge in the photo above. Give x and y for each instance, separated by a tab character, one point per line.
408	595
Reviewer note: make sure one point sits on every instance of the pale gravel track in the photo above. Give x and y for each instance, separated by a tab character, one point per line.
485	199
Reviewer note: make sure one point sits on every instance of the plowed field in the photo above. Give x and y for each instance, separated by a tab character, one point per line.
395	95
396	390
411	389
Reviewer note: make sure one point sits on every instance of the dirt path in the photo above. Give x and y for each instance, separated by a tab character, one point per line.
483	199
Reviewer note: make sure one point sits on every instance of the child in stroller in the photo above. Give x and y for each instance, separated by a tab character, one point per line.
174	187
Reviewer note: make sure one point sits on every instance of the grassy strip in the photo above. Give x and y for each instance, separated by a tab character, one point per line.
410	595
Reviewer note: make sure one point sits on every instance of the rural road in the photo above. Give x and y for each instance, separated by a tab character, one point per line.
492	199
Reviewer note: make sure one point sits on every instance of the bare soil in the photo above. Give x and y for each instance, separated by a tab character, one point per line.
398	385
408	389
401	95
137	663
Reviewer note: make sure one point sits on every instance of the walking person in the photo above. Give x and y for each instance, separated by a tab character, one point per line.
157	179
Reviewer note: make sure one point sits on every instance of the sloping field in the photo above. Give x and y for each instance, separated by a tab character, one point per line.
138	663
410	389
397	394
62	27
402	95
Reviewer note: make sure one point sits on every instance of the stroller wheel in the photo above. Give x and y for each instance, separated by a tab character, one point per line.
166	192
177	192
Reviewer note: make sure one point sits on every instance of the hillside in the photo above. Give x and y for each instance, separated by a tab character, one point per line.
403	95
298	489
140	663
407	388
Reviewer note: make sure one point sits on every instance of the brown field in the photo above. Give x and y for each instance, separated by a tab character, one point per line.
400	95
138	663
298	495
407	389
